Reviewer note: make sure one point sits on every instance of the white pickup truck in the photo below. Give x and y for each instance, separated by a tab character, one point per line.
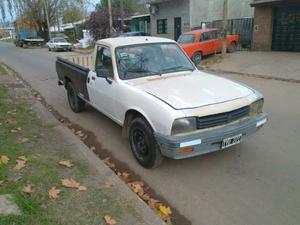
166	106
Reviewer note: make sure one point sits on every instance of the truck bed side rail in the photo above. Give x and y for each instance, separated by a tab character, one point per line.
77	74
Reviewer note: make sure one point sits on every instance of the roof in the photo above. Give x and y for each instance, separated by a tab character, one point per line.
140	16
200	31
123	41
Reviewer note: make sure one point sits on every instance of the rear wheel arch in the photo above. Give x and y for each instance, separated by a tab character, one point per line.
195	54
67	80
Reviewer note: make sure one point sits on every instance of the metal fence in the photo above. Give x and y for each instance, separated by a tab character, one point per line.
242	27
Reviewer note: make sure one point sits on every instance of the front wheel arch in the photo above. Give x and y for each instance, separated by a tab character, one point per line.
130	115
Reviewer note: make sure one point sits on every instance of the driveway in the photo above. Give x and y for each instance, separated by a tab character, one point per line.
257	182
283	65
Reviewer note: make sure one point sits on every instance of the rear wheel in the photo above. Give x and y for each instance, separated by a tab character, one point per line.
196	58
143	144
232	47
76	104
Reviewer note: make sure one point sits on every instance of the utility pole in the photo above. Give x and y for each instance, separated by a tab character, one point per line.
224	27
122	14
110	18
47	18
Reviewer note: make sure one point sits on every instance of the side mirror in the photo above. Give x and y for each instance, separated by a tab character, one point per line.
104	72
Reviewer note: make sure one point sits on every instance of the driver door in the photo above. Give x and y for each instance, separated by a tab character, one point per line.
101	83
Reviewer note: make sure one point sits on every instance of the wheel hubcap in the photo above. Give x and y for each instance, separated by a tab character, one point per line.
140	145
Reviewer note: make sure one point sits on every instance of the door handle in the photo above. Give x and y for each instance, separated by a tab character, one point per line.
93	78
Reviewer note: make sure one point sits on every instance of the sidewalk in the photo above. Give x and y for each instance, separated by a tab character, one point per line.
271	65
48	176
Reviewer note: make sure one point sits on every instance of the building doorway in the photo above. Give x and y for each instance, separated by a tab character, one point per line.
177	28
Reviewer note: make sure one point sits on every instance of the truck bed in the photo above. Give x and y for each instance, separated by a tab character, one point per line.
68	71
84	60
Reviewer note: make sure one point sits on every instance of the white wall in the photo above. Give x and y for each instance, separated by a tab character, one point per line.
169	10
210	10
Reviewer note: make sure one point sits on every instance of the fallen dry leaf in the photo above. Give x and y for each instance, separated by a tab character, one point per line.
70	183
65	163
146	197
4	159
109	185
164	211
13	131
24	139
1	182
22	158
109	220
82	188
109	164
53	193
20	164
153	203
27	189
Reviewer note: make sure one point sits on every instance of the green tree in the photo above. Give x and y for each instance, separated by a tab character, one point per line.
35	11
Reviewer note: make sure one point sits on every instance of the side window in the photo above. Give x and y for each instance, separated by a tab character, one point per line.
215	35
162	25
205	36
103	60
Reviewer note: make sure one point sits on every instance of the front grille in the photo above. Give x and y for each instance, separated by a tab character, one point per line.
222	118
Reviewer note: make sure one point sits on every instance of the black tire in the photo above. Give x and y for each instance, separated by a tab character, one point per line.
49	49
143	144
76	104
196	58
232	47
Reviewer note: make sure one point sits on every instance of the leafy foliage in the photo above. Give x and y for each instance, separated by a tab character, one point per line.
34	12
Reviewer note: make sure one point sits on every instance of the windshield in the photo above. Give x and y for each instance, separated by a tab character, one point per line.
151	59
186	38
60	40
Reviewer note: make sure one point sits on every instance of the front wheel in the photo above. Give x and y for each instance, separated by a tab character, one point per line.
143	144
76	104
196	58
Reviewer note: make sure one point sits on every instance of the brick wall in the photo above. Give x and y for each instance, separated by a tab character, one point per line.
263	26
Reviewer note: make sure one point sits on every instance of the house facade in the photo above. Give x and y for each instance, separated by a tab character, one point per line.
170	18
276	25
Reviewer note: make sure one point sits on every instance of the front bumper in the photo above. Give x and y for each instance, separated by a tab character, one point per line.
208	141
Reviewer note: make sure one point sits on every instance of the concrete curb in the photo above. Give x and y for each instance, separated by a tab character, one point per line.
82	152
250	75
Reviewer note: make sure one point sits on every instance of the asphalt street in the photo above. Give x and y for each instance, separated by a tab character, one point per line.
257	182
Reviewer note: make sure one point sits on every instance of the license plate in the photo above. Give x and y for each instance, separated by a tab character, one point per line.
227	142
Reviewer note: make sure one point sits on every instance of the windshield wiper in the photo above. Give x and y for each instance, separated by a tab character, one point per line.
152	72
182	68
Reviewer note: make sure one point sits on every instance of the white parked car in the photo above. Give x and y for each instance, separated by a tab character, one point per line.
58	43
166	106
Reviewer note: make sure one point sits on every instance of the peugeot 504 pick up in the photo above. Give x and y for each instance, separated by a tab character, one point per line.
165	105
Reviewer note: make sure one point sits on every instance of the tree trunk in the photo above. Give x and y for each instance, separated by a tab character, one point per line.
224	27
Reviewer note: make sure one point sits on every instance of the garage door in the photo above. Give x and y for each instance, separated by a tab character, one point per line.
286	29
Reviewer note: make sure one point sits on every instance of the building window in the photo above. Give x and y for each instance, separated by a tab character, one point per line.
162	26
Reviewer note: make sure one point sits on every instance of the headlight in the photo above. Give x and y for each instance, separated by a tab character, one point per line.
256	107
184	125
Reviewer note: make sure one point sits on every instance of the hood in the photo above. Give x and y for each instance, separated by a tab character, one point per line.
62	43
192	89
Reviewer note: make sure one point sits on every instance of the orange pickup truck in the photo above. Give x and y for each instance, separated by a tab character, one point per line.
198	43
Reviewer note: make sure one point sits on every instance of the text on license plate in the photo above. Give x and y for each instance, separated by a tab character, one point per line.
227	142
